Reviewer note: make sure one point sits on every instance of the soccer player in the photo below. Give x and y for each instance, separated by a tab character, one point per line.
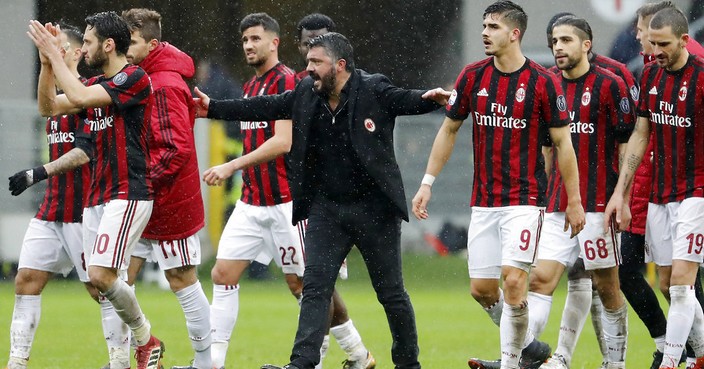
601	117
53	240
513	102
669	112
170	237
309	27
119	201
261	222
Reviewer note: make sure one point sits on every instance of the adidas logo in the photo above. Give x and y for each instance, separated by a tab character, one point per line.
482	92
653	91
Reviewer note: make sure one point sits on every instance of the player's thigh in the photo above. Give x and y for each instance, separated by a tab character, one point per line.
243	236
688	231
119	231
484	244
658	234
42	249
520	228
599	250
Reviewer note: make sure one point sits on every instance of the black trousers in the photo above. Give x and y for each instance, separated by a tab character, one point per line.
375	228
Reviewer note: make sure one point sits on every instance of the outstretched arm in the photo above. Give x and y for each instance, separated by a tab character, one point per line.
24	179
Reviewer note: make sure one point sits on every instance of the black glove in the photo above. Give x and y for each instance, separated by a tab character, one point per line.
22	180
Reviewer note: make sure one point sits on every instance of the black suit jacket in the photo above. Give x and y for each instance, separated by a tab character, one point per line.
373	103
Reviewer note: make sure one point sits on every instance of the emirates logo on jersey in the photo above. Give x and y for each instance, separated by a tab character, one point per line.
683	93
521	94
369	125
586	97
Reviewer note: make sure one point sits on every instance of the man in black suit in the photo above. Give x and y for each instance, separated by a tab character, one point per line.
344	179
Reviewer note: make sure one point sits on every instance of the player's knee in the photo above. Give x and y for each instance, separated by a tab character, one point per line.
28	283
222	276
295	284
485	295
665	288
542	282
180	278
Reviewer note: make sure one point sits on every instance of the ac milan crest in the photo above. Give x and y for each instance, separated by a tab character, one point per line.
586	98
683	93
521	94
369	125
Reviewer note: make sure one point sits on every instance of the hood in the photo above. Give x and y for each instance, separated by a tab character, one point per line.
167	58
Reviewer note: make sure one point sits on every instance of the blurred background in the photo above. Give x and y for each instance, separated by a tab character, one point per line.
417	43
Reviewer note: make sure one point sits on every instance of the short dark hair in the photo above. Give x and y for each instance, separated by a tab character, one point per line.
584	30
260	19
649	9
512	12
146	21
110	25
551	22
672	17
315	21
73	34
337	47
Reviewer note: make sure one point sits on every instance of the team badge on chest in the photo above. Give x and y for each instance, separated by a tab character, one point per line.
521	94
683	92
586	97
369	125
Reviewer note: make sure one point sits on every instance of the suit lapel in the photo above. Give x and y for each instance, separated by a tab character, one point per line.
352	98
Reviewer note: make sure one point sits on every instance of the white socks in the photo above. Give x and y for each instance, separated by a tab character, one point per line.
495	310
349	340
539	312
615	323
597	311
683	309
197	312
513	328
25	319
116	333
223	316
123	299
577	304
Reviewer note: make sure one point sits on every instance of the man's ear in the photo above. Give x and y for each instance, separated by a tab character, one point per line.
153	43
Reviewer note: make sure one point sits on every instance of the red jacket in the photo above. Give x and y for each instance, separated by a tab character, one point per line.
178	205
642	181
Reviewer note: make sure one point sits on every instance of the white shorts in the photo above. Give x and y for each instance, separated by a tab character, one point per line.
599	251
169	254
502	236
53	247
111	231
676	231
267	230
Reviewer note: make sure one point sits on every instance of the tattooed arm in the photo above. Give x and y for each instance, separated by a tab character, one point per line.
635	149
67	162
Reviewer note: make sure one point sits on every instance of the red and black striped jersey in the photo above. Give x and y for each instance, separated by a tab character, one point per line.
510	112
617	68
602	116
674	104
265	184
120	134
65	194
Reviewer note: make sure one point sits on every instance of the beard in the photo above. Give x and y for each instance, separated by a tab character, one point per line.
257	62
327	83
571	63
98	60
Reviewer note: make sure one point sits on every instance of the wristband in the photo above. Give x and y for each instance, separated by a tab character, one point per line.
37	174
428	179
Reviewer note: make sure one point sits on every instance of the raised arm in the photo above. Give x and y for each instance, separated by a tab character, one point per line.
403	101
567	164
442	149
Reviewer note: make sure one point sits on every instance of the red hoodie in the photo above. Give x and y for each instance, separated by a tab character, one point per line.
178	205
642	181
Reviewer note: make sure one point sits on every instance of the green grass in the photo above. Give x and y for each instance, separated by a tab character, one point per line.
451	326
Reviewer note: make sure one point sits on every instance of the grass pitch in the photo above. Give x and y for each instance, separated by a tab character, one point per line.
451	326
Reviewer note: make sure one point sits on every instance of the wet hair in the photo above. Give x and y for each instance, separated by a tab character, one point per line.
672	17
649	9
584	31
73	34
110	25
146	21
260	19
511	12
336	46
315	21
551	22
